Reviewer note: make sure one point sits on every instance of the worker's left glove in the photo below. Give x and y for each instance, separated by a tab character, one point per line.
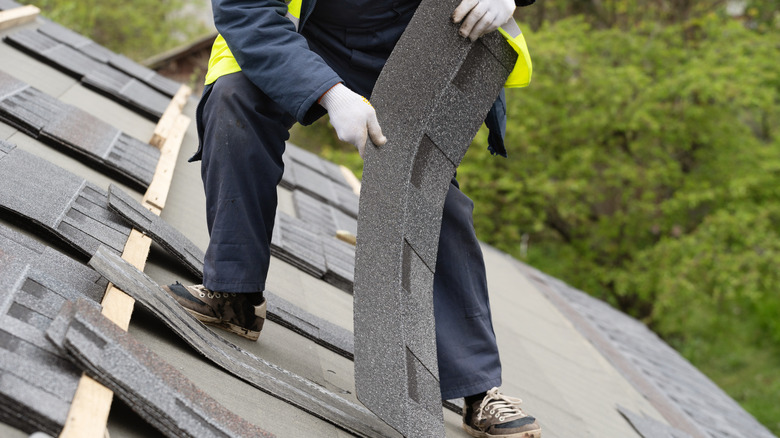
482	16
353	117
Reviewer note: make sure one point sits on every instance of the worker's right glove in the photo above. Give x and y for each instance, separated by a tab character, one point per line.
482	16
353	117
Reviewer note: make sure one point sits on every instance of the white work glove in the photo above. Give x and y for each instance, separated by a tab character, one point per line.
482	16
353	117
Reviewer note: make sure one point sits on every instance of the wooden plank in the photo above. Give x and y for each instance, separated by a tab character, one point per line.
157	193
88	413
16	16
352	180
168	119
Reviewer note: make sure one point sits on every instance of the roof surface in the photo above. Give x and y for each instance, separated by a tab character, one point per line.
582	368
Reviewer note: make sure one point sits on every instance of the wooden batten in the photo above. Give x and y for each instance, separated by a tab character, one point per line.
89	411
16	16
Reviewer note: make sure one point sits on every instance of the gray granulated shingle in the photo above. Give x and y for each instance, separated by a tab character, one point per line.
269	378
346	200
315	212
128	90
64	35
333	170
298	245
51	51
9	4
66	205
340	263
37	383
288	177
308	159
144	74
321	331
313	183
150	386
64	125
9	85
30	109
163	233
650	428
431	99
345	221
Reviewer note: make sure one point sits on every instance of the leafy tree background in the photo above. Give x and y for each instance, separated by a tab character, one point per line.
644	164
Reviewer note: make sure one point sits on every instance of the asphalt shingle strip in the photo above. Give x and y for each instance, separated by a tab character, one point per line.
323	332
128	90
685	396
302	393
64	204
149	385
650	428
298	245
431	99
66	126
37	383
97	68
160	231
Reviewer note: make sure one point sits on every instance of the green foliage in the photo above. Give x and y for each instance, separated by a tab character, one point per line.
644	168
137	29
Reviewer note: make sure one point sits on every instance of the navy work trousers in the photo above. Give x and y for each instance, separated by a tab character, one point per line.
243	134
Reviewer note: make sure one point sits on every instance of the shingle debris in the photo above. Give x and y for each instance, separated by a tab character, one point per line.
431	99
65	126
62	203
37	383
150	386
300	392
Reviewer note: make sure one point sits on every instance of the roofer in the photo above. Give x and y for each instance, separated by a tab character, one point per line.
273	66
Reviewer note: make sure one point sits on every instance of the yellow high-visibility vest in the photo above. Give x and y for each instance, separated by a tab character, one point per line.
222	61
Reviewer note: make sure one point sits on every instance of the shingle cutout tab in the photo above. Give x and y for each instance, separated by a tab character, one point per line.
150	386
160	231
299	392
404	186
37	383
64	204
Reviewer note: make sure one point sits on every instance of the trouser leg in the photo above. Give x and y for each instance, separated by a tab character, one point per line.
466	344
242	133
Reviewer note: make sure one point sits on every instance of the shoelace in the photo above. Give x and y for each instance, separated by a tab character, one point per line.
500	406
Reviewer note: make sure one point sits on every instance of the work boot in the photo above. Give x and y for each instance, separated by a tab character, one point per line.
234	312
499	416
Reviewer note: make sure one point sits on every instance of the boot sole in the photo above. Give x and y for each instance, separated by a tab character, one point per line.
479	434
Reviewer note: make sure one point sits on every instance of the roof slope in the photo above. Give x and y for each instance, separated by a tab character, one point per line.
582	368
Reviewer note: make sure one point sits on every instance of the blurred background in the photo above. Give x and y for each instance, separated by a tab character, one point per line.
644	161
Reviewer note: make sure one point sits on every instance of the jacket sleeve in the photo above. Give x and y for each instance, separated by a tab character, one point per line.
273	55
